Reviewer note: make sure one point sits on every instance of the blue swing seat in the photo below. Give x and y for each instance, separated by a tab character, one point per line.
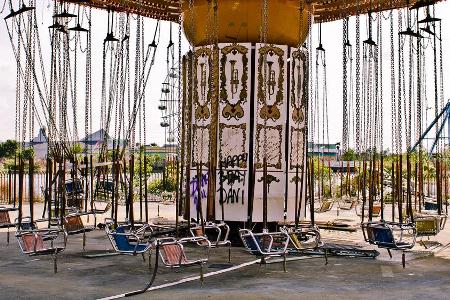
120	240
381	234
262	244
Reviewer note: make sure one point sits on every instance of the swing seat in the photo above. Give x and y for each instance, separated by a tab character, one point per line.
74	193
216	235
376	210
128	242
326	206
26	224
173	255
73	187
429	224
5	221
303	237
382	235
104	189
347	204
104	192
73	224
41	242
100	211
266	244
431	206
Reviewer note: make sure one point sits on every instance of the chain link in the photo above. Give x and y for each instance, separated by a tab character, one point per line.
393	95
345	137
419	93
399	95
358	85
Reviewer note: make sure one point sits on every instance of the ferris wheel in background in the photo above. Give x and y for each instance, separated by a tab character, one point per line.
170	108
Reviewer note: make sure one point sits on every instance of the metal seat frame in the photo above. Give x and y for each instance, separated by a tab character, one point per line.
268	250
222	231
395	243
41	237
182	260
83	229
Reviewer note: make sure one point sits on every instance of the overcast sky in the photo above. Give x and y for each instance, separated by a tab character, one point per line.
331	39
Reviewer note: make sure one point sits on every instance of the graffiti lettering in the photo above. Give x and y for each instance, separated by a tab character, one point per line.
203	187
232	195
234	161
231	177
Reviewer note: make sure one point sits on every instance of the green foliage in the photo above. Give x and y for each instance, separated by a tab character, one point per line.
8	149
349	155
77	149
321	169
27	154
154	162
158	186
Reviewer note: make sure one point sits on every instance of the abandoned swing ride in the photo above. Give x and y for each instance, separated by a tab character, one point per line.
247	163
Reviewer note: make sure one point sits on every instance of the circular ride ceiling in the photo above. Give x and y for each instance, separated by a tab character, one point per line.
323	10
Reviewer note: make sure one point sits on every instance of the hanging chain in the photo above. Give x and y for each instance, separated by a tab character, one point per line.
75	92
358	85
380	86
394	124
310	128
179	113
399	95
441	68
264	35
345	137
419	93
18	89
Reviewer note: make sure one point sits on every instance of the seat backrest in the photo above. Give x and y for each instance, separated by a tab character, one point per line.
108	186
73	223
121	241
105	186
427	226
4	217
29	240
376	209
198	231
326	206
295	240
431	205
381	235
74	187
250	244
171	254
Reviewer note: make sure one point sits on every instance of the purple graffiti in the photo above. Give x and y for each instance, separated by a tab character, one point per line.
203	187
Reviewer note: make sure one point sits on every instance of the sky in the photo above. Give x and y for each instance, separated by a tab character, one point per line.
331	40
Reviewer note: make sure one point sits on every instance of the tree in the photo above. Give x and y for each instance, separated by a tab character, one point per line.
28	153
8	149
349	155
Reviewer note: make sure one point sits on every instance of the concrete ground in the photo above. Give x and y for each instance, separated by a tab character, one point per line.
427	274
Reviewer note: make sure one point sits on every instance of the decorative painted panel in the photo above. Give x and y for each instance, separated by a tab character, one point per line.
266	126
297	143
269	139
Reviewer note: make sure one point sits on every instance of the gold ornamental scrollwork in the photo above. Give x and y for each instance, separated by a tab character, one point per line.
202	110
270	111
299	86
233	110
